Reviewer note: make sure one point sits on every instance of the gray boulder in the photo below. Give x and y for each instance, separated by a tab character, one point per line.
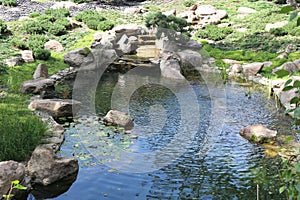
77	57
170	68
258	133
126	44
41	71
37	86
119	118
44	167
189	58
289	66
10	171
252	69
56	107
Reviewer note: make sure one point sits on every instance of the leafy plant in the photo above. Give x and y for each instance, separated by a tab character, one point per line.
19	43
14	185
214	32
105	25
34	14
37	41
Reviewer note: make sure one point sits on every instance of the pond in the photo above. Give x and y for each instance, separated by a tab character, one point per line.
188	144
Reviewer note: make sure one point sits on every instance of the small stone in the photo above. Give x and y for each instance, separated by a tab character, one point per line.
14	61
27	56
54	45
245	10
41	71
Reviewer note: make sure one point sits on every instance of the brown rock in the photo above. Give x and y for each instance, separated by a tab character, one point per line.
41	71
258	133
119	118
27	56
54	45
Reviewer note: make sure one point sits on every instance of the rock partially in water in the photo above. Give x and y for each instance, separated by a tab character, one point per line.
37	86
170	68
252	69
119	118
10	171
44	167
258	133
56	107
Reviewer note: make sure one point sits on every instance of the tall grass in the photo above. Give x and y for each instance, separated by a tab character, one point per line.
20	130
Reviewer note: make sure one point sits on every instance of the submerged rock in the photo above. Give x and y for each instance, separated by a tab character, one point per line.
10	171
258	133
44	167
119	118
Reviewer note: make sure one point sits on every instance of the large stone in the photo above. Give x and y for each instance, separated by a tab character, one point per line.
132	10
258	133
76	57
246	10
252	69
54	45
189	58
10	171
27	56
126	45
216	18
14	61
45	167
205	10
276	25
119	118
170	68
41	71
56	107
36	86
289	66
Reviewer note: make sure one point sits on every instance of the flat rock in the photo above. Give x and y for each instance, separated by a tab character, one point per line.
276	25
56	107
36	86
205	10
252	69
246	10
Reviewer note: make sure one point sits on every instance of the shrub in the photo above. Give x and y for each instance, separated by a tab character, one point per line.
157	19
41	54
278	31
64	22
214	32
57	29
58	13
189	3
34	27
93	19
19	43
8	2
37	41
105	25
3	28
34	14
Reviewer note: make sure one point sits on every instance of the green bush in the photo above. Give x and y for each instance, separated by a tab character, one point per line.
278	31
34	27
37	41
189	3
19	43
58	13
41	54
8	2
57	29
105	25
3	28
34	14
64	22
158	19
94	20
214	32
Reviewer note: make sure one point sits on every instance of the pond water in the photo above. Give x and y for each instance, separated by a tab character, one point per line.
221	165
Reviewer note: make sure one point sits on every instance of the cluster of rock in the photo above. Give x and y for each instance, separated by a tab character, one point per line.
201	15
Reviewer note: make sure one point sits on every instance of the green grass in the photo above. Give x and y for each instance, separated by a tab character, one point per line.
20	130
